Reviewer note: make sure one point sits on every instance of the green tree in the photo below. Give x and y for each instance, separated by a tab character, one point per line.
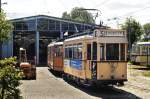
9	79
146	28
78	14
134	30
5	30
65	15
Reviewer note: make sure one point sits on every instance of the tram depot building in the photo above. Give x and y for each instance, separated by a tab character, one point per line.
34	33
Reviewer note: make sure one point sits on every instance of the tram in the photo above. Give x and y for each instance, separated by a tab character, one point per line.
140	53
97	57
55	56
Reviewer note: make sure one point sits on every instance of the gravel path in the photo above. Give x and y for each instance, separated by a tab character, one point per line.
48	86
137	84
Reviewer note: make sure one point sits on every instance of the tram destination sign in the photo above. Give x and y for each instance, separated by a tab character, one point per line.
101	33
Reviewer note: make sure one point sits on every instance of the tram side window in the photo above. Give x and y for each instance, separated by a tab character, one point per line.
94	54
88	51
75	52
144	50
79	51
102	52
149	51
112	51
66	52
58	51
70	52
122	51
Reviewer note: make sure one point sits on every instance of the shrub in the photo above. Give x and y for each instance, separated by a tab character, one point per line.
9	79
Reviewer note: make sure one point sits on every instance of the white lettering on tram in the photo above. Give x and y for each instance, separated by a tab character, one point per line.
100	33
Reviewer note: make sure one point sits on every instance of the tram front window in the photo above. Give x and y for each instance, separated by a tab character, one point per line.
112	51
122	51
102	52
94	54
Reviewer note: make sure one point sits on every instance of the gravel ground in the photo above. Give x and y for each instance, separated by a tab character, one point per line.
137	84
48	86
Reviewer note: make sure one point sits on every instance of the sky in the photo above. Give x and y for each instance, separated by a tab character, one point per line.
109	9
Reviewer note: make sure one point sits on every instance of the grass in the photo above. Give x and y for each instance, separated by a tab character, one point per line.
139	70
146	73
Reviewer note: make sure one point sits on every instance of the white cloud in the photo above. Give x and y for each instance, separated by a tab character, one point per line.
109	8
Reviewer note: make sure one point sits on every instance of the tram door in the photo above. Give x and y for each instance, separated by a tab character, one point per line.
94	61
88	67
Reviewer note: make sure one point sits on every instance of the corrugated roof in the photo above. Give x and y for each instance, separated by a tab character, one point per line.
50	17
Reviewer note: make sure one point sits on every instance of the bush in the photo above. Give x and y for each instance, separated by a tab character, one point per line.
9	79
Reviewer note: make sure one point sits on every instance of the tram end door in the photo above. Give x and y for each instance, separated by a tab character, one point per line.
94	61
91	70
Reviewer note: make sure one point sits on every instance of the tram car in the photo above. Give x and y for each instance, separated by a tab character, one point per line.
98	57
140	53
55	56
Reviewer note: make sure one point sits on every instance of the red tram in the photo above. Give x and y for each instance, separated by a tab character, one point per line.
55	56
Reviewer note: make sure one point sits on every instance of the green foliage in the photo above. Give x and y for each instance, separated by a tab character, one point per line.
134	30
146	28
65	15
9	79
146	73
5	27
80	15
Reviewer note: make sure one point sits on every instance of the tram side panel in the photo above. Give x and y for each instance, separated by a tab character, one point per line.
55	57
74	68
73	65
112	71
105	71
58	58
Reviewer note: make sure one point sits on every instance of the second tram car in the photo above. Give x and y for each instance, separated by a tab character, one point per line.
140	53
98	57
55	56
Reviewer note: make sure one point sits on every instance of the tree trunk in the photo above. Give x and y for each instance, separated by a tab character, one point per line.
3	88
1	50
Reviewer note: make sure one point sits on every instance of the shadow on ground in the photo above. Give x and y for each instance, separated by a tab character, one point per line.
107	92
142	68
56	73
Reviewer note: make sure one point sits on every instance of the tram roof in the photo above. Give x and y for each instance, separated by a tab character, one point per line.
79	37
144	43
55	43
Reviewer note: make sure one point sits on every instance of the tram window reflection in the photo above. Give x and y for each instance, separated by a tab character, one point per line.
122	51
94	56
88	51
112	51
102	52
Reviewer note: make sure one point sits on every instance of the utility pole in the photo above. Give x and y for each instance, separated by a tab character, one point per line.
0	42
0	6
117	21
97	14
129	37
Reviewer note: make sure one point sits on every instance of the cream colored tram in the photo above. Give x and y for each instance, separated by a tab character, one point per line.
140	53
97	58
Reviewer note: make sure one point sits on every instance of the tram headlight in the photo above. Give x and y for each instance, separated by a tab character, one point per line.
123	76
